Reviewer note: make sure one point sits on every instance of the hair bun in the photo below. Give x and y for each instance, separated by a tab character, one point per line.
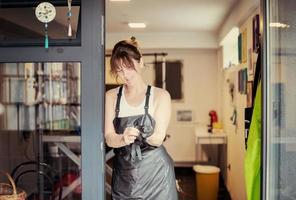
133	41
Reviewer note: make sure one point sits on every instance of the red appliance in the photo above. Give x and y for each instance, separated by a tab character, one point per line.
213	118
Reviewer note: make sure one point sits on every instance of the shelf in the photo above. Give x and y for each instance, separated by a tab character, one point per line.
202	136
16	131
40	103
57	132
45	76
57	138
61	104
16	104
222	139
12	76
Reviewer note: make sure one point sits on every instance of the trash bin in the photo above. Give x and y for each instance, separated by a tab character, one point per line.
207	182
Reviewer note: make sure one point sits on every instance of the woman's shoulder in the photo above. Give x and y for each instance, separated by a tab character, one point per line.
112	93
161	93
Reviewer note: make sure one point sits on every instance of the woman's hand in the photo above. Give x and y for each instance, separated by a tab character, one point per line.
130	134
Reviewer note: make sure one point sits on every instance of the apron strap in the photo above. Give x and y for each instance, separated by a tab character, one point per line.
118	101
147	99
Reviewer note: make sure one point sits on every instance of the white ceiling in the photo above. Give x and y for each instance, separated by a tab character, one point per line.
168	15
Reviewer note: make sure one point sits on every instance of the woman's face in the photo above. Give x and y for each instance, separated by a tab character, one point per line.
129	74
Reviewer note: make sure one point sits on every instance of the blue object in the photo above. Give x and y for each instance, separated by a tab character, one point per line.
46	42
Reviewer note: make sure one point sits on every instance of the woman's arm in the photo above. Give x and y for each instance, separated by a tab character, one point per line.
162	115
112	138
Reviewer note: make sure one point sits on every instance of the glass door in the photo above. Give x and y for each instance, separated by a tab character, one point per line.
40	128
46	104
279	118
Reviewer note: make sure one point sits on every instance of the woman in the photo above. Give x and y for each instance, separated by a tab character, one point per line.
136	120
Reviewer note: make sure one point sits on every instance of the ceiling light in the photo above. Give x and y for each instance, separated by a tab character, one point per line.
137	25
279	25
119	0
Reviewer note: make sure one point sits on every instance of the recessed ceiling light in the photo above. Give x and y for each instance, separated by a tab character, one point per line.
119	0
279	25
137	25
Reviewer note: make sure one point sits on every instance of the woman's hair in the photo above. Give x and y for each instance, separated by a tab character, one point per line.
125	51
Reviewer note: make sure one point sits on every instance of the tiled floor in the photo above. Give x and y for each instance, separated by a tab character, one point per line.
186	177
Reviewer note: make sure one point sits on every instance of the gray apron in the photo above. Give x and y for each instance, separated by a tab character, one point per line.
141	171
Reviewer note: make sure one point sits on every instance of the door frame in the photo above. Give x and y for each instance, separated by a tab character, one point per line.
91	55
264	21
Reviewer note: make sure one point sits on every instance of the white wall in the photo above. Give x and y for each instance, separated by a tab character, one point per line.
199	91
236	145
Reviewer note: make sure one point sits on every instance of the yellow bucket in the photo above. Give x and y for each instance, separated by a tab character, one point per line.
207	182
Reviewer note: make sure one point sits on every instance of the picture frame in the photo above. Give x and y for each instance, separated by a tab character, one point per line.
184	115
239	48
256	33
249	94
245	80
242	81
250	65
244	46
254	60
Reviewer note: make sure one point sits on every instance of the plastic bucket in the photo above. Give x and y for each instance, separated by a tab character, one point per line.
207	182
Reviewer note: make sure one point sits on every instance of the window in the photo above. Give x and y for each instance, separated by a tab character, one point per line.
173	78
230	48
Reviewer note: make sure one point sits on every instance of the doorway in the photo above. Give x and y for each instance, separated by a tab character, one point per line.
206	79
